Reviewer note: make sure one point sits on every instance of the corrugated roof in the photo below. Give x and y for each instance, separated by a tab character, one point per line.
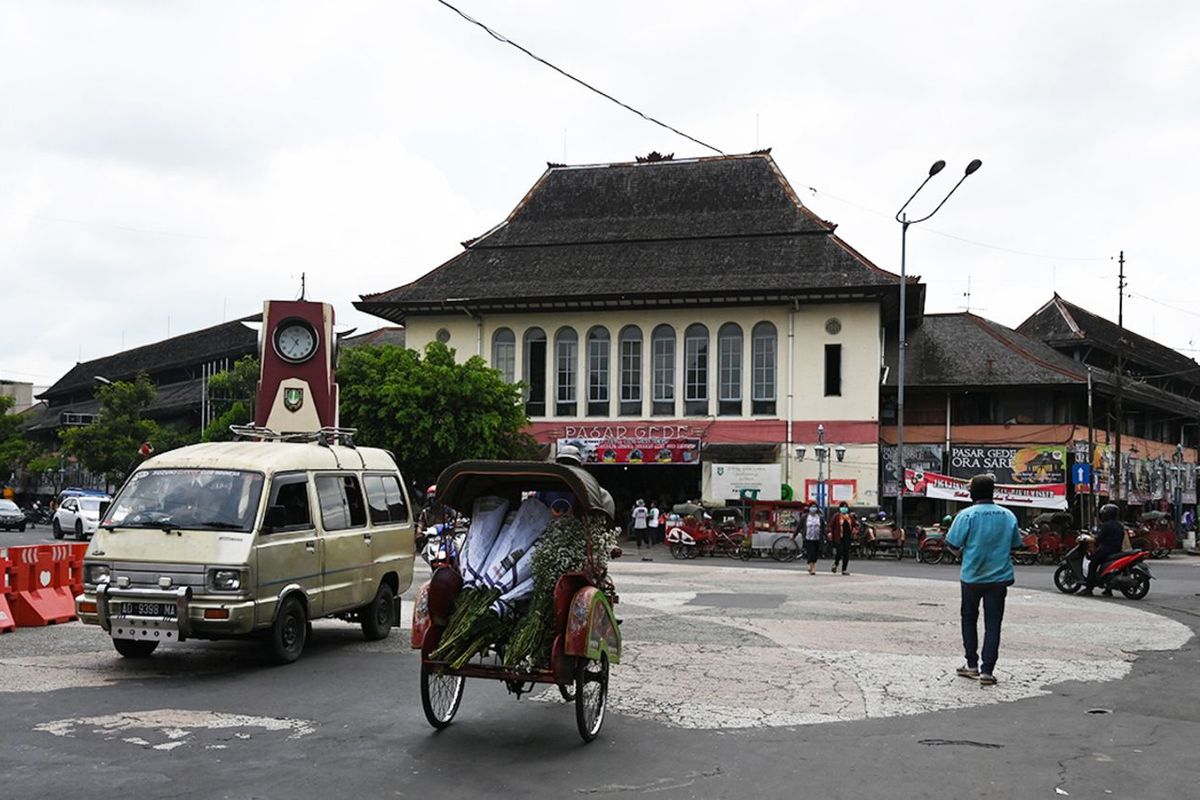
227	340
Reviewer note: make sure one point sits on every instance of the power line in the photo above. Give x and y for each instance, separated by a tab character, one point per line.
936	232
502	38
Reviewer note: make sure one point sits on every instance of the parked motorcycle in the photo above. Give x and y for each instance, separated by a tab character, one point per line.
1125	571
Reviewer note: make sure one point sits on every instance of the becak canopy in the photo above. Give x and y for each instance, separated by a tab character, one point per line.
462	482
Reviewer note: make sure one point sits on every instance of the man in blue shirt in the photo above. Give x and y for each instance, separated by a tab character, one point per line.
986	534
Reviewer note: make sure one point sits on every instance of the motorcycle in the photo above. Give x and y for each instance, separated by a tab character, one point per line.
440	545
38	514
1124	571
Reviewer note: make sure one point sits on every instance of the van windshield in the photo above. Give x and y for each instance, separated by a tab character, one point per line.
188	498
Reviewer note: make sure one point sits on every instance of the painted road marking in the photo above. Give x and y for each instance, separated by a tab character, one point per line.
166	729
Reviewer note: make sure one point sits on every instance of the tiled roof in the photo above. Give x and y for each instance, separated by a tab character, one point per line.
967	351
1061	323
728	228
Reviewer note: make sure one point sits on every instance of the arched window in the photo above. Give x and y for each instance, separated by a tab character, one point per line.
598	355
729	369
763	357
631	370
662	345
535	372
566	365
695	370
504	353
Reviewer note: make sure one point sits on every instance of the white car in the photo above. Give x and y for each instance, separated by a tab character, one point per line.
79	515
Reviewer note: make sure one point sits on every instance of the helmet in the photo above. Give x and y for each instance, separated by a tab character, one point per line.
946	520
1108	512
569	454
641	503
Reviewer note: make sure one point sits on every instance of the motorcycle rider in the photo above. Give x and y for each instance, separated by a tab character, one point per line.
1108	544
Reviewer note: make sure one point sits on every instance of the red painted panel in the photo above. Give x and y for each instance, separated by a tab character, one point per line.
317	371
718	431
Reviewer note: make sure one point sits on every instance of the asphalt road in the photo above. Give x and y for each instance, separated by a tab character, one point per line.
213	720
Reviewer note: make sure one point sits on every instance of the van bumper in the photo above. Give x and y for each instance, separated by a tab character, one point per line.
195	616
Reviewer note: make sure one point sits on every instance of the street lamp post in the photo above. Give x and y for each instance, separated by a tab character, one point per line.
904	221
820	451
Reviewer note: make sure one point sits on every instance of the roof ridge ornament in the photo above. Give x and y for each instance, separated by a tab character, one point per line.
654	156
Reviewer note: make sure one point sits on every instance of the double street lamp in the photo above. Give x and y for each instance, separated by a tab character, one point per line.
821	451
904	221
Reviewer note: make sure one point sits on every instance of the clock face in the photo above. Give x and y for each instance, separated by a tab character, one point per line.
295	341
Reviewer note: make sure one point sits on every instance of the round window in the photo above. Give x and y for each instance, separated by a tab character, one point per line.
833	326
443	335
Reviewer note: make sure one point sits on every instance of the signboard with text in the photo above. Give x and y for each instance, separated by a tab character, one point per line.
1011	464
644	450
1052	496
743	481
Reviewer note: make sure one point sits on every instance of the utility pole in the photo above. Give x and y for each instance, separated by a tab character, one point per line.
1090	506
1118	487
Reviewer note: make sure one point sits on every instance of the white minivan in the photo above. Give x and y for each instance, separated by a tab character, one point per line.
252	538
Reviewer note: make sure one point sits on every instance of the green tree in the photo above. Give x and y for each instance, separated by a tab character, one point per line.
431	412
231	394
109	445
14	449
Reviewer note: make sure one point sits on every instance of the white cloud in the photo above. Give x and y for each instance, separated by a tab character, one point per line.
177	159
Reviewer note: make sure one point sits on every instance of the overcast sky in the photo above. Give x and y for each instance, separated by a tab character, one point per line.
173	164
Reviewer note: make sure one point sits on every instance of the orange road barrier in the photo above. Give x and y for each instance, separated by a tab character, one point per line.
7	623
40	592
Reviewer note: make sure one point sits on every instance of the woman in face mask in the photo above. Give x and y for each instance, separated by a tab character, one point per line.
812	538
841	529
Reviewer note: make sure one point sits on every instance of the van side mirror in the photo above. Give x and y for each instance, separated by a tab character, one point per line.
276	518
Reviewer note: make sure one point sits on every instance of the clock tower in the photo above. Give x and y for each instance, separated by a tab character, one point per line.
298	353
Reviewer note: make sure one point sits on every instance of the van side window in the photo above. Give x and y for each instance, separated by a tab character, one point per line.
291	492
395	499
354	501
385	499
341	502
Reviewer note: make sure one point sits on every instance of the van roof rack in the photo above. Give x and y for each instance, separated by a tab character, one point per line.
324	436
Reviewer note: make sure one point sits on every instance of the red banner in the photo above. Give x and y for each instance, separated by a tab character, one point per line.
637	451
1051	496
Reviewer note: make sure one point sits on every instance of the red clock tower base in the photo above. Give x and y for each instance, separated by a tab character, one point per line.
298	350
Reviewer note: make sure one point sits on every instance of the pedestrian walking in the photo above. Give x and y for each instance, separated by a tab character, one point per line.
986	535
641	528
841	530
654	522
813	530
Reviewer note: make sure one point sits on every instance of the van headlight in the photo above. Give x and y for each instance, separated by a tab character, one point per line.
96	574
225	580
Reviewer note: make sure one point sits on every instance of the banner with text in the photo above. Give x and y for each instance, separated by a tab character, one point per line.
1051	496
637	450
1011	464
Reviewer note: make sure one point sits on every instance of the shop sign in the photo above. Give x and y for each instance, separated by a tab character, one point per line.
1013	464
1052	496
584	431
925	457
636	450
743	481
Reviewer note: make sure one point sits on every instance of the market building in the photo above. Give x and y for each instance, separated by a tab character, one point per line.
686	323
984	397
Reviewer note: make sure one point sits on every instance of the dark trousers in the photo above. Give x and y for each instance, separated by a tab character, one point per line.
1101	555
992	595
812	549
841	551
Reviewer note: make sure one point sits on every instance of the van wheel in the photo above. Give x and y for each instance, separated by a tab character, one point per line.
131	648
289	634
379	616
